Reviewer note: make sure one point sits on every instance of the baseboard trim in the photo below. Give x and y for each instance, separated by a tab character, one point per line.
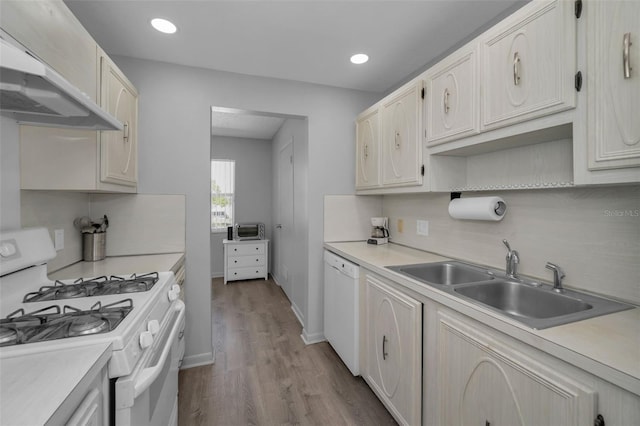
310	339
298	314
217	274
197	360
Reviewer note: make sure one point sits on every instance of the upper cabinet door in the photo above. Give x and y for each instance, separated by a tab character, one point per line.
453	97
49	30
119	148
613	83
529	64
367	150
401	141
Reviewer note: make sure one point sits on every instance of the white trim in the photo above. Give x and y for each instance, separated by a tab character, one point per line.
197	360
298	314
310	339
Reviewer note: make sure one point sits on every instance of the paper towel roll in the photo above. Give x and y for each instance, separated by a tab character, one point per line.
478	208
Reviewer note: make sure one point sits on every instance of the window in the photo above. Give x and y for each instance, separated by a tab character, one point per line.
222	193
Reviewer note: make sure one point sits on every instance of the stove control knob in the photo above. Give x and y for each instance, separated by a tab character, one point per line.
153	327
7	249
146	339
174	292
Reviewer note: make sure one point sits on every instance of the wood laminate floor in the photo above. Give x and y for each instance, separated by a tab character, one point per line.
264	374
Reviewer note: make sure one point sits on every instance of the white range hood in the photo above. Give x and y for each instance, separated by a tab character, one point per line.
33	93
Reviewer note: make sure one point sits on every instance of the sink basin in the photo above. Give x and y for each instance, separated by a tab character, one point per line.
444	273
532	304
522	300
538	306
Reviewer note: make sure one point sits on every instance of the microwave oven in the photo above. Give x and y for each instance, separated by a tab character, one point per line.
248	231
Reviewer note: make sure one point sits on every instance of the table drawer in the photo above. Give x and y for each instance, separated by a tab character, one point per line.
246	249
242	261
247	273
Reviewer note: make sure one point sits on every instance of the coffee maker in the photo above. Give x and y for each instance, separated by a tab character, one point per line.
379	231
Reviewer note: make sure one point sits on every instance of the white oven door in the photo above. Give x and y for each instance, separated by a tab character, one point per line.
149	395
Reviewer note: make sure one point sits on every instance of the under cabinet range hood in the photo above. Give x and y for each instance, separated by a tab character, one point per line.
33	93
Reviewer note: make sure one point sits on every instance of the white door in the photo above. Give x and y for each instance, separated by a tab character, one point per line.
285	230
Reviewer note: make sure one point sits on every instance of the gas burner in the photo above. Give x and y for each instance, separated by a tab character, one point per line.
88	324
98	286
50	324
8	336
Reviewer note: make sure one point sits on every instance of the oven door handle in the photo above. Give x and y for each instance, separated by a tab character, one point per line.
147	376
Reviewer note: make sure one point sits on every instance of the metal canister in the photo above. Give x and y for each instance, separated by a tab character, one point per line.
94	246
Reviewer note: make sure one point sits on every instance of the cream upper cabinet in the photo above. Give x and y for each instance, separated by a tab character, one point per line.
529	64
50	31
481	380
453	97
119	149
367	149
394	355
613	84
85	160
401	147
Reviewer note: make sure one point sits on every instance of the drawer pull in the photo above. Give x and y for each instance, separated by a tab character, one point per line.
626	60
384	349
516	69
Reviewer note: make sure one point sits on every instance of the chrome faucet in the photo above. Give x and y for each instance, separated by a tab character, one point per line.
558	275
513	259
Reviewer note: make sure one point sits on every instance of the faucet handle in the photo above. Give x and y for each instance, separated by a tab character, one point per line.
506	243
556	269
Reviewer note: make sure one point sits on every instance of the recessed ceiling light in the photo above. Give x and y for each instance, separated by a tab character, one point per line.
359	58
163	25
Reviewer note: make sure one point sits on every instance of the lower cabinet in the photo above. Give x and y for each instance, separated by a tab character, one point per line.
246	260
394	350
481	380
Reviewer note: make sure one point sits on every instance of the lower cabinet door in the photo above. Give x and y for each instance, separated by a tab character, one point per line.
482	381
394	350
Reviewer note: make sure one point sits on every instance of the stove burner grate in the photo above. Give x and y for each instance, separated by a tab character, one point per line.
98	286
51	324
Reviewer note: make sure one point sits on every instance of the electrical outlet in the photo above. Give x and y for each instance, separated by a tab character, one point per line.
400	225
422	227
58	239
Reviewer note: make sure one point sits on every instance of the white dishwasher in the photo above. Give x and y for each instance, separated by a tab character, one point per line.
341	309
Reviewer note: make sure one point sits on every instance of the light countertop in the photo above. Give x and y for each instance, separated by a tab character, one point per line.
121	265
607	346
33	387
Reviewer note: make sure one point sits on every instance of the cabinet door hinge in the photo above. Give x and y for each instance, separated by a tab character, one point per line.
578	8
422	170
578	81
422	93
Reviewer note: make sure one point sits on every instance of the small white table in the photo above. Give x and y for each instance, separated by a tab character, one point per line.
246	260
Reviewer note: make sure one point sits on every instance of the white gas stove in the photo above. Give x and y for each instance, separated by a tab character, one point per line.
140	315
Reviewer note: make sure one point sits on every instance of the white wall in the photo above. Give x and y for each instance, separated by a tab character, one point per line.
253	192
348	217
174	152
57	210
9	175
592	233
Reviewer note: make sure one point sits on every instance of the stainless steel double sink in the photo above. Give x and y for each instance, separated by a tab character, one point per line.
532	303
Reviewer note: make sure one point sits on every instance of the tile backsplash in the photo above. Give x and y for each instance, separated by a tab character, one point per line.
592	233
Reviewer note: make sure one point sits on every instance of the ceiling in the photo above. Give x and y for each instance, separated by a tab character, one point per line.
303	40
244	124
